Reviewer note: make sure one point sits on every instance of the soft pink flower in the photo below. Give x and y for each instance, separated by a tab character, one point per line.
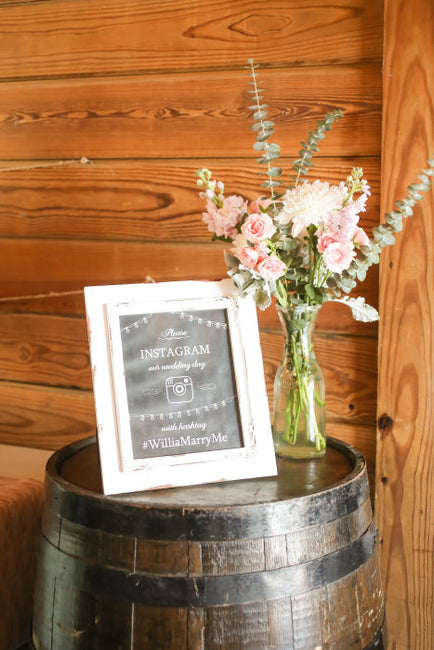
343	223
223	221
263	252
256	206
271	268
337	256
248	257
361	238
325	239
257	227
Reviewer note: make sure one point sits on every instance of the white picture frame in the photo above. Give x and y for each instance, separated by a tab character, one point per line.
179	386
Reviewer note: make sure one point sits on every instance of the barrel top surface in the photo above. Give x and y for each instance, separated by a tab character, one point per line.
304	493
78	465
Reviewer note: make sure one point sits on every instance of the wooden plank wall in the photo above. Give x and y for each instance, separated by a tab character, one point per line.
405	444
146	92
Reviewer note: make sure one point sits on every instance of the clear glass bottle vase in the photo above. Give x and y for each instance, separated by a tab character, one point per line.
299	390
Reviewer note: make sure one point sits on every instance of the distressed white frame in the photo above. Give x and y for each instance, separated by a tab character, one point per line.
120	471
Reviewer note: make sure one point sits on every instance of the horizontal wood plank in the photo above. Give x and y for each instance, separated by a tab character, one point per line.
54	417
53	350
89	37
333	317
44	417
49	350
187	115
143	200
48	276
33	266
39	266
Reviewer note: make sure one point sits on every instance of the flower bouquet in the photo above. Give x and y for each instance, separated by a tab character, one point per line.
304	246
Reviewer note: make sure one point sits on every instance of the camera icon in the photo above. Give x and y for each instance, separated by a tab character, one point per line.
179	390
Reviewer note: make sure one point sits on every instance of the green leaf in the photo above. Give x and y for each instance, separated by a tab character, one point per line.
281	294
274	172
360	310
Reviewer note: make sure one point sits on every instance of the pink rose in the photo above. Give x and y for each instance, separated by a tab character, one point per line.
337	256
325	239
257	227
271	268
248	257
223	221
361	238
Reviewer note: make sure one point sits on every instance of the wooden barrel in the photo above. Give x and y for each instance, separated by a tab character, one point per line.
282	562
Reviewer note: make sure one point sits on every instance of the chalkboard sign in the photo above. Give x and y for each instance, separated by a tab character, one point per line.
180	384
175	398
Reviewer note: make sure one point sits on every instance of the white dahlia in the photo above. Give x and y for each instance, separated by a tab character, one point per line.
309	204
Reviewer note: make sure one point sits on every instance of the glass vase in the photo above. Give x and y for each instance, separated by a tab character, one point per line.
299	390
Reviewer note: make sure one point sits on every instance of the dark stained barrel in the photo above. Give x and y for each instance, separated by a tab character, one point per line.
282	562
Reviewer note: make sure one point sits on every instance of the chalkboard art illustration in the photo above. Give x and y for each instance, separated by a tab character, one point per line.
181	390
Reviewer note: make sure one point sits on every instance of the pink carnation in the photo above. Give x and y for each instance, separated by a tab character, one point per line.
263	252
338	256
223	221
248	257
257	227
271	268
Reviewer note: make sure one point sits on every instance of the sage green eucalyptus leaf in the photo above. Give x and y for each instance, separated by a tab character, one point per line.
359	309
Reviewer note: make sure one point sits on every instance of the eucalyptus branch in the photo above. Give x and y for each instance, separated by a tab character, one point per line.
302	164
383	235
264	129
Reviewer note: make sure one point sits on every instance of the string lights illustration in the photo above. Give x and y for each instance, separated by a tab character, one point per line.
179	413
143	320
183	315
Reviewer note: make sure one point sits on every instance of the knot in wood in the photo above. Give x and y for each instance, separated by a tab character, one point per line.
385	423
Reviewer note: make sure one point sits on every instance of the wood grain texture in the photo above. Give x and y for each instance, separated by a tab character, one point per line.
143	200
42	265
192	115
20	511
333	317
53	351
85	38
319	585
149	92
45	417
405	467
46	350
